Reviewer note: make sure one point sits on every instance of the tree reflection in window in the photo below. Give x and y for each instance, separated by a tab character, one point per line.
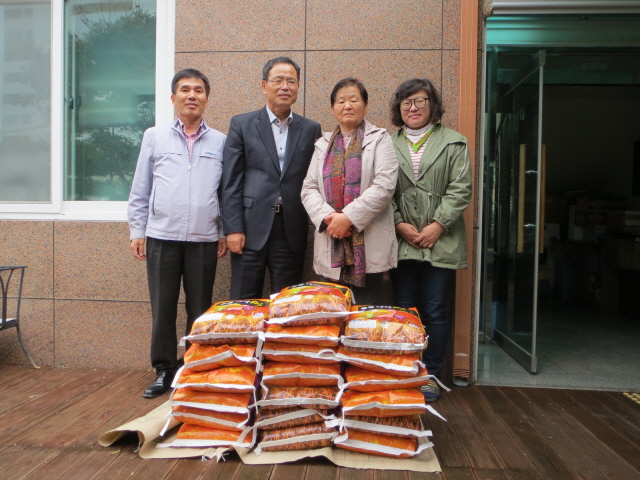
110	96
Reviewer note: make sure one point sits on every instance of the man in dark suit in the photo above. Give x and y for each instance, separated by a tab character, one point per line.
266	157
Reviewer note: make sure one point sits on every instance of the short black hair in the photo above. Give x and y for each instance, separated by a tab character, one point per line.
349	82
411	87
190	73
274	61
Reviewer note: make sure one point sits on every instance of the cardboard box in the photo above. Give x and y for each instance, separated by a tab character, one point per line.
636	256
574	232
556	209
591	218
619	253
584	204
624	218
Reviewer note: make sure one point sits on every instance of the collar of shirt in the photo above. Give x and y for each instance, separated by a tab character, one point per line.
276	120
190	138
184	130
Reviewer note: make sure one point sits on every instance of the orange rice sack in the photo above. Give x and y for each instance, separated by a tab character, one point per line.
301	375
219	402
311	303
319	318
209	357
390	403
197	436
390	330
238	321
380	444
235	422
361	380
289	352
405	426
307	397
304	437
227	379
319	335
270	419
346	291
403	365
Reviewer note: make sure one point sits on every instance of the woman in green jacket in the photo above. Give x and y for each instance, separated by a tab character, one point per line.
433	190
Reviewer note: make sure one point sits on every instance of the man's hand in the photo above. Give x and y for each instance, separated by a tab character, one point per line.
429	235
235	242
408	232
137	247
338	225
222	248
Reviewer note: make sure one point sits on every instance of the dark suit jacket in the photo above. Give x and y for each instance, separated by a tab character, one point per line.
252	180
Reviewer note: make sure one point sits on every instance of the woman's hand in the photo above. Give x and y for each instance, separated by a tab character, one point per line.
408	232
429	235
338	225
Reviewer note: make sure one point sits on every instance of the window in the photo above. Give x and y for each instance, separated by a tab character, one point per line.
110	94
25	92
78	84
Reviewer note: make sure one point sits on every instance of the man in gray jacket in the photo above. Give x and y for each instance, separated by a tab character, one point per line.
174	204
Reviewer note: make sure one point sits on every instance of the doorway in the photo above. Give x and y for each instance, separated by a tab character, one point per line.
561	218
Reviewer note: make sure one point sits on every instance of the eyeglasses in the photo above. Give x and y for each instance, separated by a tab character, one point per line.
419	102
278	81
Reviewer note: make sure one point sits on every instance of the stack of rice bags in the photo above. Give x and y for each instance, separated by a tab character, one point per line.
217	385
382	403
301	379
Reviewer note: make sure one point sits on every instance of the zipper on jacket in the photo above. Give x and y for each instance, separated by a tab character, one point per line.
186	232
153	201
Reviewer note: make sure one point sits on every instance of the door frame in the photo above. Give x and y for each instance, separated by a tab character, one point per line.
496	8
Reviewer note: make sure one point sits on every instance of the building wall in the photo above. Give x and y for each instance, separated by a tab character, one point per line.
383	43
85	300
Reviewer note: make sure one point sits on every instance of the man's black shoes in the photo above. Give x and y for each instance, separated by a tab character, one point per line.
161	384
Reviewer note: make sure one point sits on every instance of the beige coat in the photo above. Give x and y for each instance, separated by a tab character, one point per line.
371	212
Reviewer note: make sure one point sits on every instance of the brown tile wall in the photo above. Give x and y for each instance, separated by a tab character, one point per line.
383	43
85	300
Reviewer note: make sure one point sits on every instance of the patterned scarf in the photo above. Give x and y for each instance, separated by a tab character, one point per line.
341	175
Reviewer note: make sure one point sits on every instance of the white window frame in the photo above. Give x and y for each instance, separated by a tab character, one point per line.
58	209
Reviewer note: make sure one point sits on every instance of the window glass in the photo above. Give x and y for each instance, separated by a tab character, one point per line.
25	102
110	94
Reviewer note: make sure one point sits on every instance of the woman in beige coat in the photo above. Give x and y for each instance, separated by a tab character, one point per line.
347	193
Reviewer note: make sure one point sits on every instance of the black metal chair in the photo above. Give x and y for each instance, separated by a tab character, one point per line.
6	272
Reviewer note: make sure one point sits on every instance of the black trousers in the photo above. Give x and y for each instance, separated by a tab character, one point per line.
248	269
168	263
429	288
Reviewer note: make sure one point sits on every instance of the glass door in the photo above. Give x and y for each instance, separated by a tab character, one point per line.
512	227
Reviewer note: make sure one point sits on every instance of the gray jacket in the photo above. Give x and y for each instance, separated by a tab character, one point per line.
173	196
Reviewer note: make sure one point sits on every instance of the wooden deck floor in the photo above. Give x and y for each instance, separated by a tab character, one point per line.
50	419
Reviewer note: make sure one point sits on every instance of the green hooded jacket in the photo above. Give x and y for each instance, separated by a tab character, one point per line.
441	194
